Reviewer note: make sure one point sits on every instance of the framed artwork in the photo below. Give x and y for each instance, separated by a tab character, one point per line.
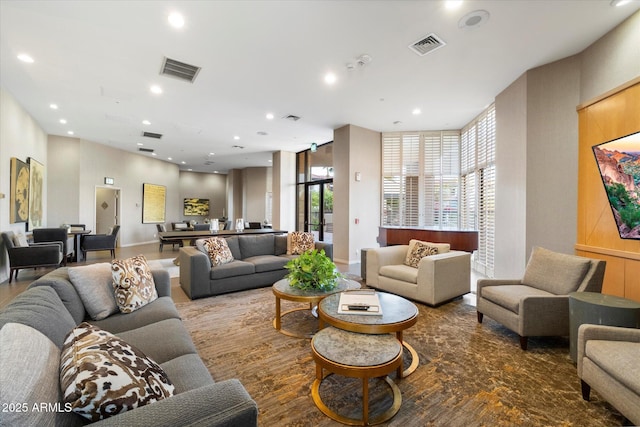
196	207
36	189
19	200
154	199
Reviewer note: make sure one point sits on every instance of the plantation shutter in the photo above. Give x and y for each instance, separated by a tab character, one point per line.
391	179
450	192
432	174
411	174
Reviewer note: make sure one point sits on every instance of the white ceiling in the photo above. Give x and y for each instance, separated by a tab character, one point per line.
97	60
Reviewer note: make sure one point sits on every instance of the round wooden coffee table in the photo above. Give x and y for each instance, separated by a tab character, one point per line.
398	314
283	291
376	356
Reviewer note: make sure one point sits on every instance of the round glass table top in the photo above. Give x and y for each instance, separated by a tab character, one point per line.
395	310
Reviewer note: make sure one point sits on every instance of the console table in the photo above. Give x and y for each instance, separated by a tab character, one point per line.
460	240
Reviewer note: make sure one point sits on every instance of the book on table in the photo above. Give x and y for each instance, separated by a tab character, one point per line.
361	301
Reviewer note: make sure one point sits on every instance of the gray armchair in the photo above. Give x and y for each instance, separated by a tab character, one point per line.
32	256
100	242
608	358
47	235
538	304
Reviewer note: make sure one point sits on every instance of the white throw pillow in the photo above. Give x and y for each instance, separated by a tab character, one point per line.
94	284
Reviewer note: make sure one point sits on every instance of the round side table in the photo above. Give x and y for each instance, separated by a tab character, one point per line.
376	356
599	309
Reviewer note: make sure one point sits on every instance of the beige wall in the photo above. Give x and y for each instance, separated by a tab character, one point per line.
210	186
256	185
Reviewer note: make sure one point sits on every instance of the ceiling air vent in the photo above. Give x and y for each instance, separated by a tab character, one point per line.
146	150
292	118
427	44
152	135
179	70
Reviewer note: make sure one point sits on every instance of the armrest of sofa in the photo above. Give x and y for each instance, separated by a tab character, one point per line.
379	257
452	268
163	282
225	403
36	253
481	283
544	315
588	332
327	247
195	270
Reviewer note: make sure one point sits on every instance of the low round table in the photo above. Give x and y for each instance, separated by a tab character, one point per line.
283	291
599	309
376	356
398	314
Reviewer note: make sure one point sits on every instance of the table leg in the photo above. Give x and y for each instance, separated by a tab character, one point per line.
277	319
365	401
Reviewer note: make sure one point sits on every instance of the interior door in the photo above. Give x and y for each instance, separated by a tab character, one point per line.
107	209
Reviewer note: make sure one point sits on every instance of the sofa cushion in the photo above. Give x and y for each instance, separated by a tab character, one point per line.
400	272
187	372
218	251
41	309
234	268
20	240
252	246
267	262
301	241
619	359
133	283
417	251
280	244
29	376
509	296
58	280
101	375
555	272
161	309
94	284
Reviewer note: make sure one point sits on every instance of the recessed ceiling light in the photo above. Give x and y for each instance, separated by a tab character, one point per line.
473	19
215	171
183	162
212	154
140	144
453	4
153	154
169	158
416	111
270	161
236	137
330	78
70	132
156	89
176	20
270	116
53	106
63	121
189	169
617	3
25	58
146	122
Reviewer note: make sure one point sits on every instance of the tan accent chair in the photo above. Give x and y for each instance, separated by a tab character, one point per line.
438	278
538	304
608	358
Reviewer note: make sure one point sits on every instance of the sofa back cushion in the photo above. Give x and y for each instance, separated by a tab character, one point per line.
280	244
59	281
251	246
94	284
234	246
29	376
554	272
41	309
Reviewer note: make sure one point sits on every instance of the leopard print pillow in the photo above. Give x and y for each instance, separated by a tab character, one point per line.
419	251
101	375
301	242
133	283
218	250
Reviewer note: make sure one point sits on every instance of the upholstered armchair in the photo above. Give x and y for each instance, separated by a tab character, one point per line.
47	235
608	358
435	279
22	255
538	304
100	242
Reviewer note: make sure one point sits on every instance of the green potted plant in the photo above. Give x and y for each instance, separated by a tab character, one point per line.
312	270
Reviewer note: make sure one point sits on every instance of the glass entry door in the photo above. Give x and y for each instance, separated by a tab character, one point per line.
319	210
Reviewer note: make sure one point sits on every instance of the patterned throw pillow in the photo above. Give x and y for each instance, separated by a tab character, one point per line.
133	283
218	250
418	251
101	375
301	242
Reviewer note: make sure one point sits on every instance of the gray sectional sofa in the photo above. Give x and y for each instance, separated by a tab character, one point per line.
51	307
259	261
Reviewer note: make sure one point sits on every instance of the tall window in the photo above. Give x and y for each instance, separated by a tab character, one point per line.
478	185
420	174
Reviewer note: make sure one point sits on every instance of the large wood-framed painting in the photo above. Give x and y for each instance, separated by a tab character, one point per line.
36	190
196	207
19	200
154	199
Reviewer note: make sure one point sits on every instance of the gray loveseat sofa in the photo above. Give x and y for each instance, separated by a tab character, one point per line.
259	261
30	357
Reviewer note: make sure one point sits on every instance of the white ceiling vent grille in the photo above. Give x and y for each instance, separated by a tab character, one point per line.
179	70
291	117
152	135
427	44
146	150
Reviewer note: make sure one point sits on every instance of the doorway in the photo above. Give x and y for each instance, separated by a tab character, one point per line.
319	210
107	209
